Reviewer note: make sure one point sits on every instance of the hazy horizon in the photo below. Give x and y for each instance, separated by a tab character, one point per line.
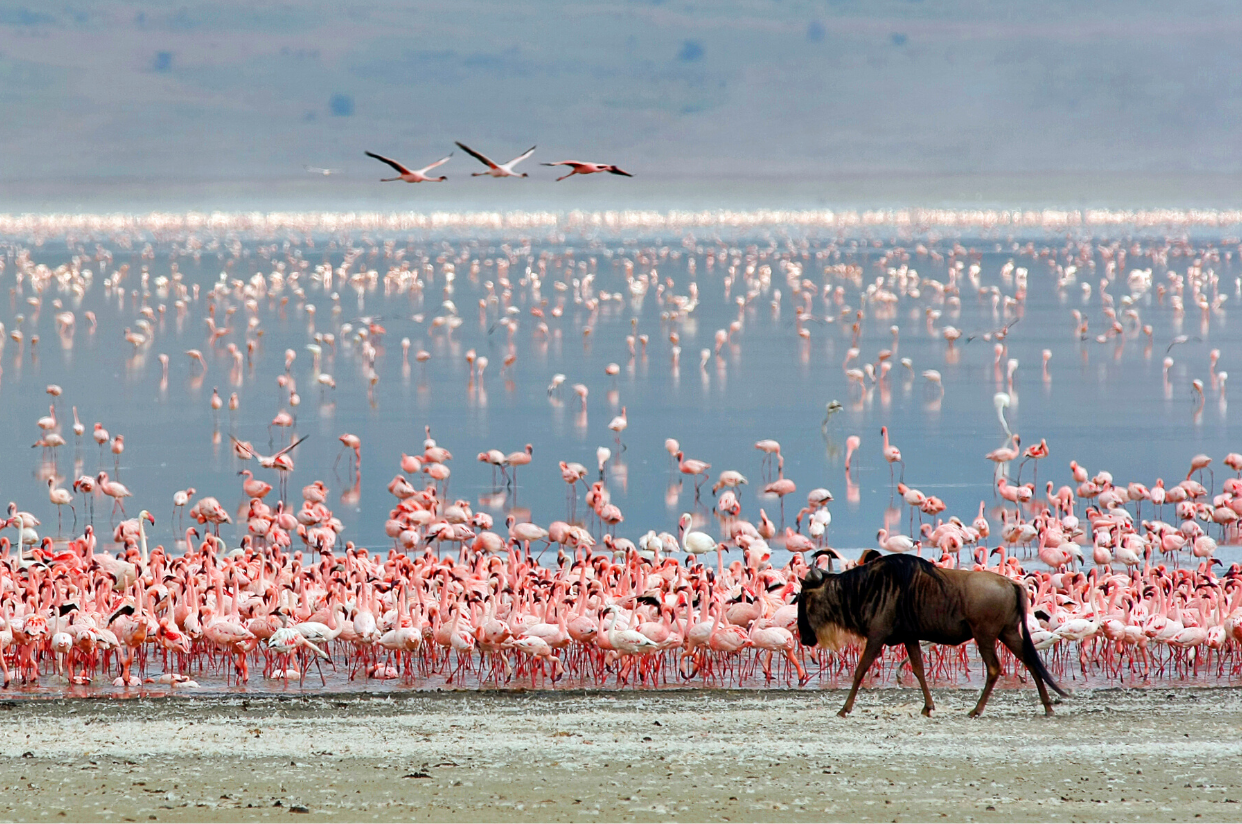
221	105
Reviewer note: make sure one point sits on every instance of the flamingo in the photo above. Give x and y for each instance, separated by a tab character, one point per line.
618	425
893	455
1005	454
494	169
691	466
61	497
895	543
114	490
693	541
579	167
407	175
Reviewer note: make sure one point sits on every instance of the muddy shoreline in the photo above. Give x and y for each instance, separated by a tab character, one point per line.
1149	754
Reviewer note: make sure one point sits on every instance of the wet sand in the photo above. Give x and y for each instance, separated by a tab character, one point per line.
1142	754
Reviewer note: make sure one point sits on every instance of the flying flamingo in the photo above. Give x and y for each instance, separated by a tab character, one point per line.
579	167
494	169
282	462
407	175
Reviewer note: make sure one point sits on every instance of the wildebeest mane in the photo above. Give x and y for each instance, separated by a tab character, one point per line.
858	594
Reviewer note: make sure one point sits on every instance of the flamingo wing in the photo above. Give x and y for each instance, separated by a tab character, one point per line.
439	162
616	171
241	447
481	158
521	157
390	162
290	446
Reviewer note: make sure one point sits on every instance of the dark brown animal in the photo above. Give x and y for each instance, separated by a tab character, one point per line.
900	599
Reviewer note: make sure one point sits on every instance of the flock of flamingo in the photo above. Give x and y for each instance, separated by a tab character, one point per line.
453	597
494	169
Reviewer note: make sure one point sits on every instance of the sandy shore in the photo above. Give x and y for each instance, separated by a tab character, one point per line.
709	756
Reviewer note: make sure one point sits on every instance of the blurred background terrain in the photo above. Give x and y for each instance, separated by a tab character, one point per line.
221	104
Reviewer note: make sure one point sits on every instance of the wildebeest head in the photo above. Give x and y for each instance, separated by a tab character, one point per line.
815	578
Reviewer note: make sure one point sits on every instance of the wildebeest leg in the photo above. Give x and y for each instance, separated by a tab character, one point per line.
987	651
916	663
874	645
1012	638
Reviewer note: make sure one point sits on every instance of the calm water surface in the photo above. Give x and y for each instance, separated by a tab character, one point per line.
1106	405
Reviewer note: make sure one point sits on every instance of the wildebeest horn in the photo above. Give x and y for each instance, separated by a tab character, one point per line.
814	577
831	554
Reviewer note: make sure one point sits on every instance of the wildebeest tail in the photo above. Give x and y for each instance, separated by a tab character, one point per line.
1031	655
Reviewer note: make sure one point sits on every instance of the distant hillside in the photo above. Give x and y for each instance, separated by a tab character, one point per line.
235	91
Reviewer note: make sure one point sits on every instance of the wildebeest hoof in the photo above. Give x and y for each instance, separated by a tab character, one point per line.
927	711
973	714
843	713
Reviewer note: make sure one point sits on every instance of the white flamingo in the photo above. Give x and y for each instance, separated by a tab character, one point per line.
895	543
497	169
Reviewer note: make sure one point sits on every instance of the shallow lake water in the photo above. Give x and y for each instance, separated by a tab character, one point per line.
1107	405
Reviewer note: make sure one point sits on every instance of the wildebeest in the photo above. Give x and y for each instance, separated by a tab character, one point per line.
901	599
